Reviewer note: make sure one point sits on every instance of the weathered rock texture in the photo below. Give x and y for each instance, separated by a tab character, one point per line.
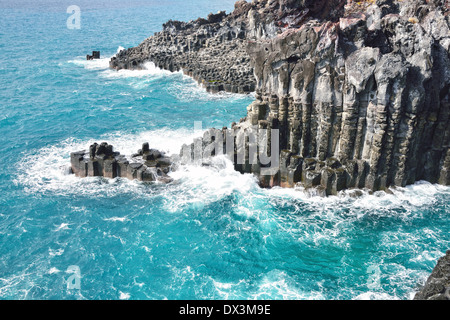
358	90
437	286
364	86
147	165
212	51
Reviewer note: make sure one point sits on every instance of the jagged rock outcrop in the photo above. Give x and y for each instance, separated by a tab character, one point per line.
359	91
437	286
147	165
366	86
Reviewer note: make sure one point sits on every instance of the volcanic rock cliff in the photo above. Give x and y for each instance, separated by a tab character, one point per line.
358	90
365	83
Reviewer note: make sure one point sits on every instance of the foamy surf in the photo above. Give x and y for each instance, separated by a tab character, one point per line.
409	198
148	69
188	90
273	285
202	185
97	64
48	169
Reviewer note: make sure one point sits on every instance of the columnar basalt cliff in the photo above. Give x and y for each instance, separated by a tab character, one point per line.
359	91
212	51
147	165
364	86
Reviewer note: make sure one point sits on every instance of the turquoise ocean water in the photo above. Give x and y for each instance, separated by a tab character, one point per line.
213	234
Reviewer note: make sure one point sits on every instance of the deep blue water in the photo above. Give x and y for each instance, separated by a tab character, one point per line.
213	234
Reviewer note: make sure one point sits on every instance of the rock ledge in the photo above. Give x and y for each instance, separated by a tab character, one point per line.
437	286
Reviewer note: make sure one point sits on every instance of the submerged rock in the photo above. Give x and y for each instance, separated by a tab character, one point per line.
102	161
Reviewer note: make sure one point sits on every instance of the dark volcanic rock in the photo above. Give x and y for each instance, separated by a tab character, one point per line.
437	286
363	87
361	82
212	51
102	161
359	90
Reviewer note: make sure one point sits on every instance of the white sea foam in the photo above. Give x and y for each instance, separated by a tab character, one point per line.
370	295
97	64
149	71
426	256
117	219
124	295
228	291
408	199
201	185
48	169
188	90
278	289
62	226
54	253
54	270
275	284
184	87
13	283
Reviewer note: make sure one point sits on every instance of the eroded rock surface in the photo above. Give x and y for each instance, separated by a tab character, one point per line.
147	165
437	286
359	91
366	84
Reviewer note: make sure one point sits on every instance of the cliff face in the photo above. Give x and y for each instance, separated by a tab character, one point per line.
359	91
364	83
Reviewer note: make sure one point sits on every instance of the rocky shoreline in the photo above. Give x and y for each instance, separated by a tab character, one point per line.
212	51
359	91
